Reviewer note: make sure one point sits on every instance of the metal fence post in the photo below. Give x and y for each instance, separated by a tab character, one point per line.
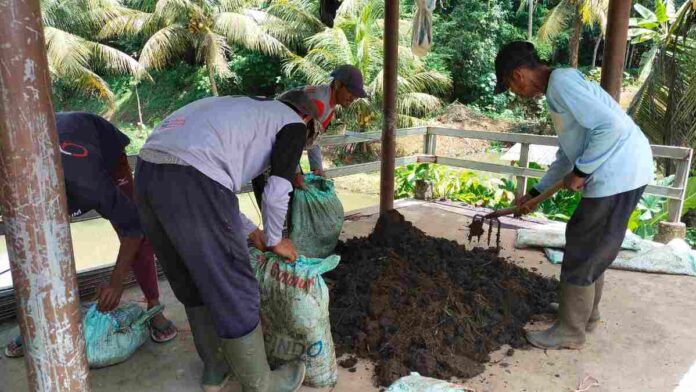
524	162
34	208
429	143
681	179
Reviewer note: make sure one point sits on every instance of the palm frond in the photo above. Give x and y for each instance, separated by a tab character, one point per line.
114	60
351	8
295	65
417	104
177	10
664	107
524	4
243	30
432	82
330	47
292	21
91	83
214	52
125	25
556	21
66	53
164	46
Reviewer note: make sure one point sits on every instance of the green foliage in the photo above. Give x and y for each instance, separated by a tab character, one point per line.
455	185
174	88
467	35
357	39
691	236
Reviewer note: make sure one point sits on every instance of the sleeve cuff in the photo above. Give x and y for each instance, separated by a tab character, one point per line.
579	172
534	192
247	225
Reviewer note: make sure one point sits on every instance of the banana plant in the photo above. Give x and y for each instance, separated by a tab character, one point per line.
653	27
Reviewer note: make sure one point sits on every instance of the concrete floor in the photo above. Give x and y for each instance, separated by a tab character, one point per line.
645	343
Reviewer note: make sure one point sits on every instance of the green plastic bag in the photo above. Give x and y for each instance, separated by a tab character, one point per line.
111	338
295	313
317	218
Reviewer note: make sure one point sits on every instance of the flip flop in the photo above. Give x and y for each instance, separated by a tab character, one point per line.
15	349
166	332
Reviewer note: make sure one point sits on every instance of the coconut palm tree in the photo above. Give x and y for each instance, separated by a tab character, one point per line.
357	39
665	105
172	27
581	13
76	60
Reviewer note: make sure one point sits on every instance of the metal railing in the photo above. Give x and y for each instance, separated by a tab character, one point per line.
675	193
88	280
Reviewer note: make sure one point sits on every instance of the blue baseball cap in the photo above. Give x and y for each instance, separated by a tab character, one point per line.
352	78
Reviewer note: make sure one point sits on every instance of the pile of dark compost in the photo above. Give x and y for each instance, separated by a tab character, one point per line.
411	302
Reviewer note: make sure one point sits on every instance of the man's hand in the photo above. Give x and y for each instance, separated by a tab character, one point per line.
319	172
299	181
573	182
256	238
522	200
286	250
109	297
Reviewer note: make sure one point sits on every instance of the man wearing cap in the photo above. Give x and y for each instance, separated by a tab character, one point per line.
603	154
345	87
189	170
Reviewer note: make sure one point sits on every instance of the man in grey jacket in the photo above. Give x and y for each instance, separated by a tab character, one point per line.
188	173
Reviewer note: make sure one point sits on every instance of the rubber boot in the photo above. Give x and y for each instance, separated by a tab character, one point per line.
569	329
594	316
216	371
247	358
593	322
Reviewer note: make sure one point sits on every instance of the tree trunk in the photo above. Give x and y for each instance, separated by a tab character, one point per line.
596	49
574	44
211	76
530	21
140	109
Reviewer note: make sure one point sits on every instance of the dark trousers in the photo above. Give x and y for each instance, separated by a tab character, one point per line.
594	235
194	226
144	264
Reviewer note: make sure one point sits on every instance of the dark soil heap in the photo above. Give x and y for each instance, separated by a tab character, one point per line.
411	302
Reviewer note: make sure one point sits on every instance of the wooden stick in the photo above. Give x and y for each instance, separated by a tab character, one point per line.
530	205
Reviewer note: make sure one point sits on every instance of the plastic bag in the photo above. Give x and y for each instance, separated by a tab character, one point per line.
555	238
422	38
674	258
317	217
295	314
417	383
111	338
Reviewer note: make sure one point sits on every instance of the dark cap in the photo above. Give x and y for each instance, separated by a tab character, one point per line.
352	78
510	57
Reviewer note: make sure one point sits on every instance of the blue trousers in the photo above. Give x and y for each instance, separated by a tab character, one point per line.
194	226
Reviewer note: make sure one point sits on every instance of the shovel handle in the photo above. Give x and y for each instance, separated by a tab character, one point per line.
531	204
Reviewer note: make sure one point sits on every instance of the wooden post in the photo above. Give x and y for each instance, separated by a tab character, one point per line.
391	61
615	46
34	208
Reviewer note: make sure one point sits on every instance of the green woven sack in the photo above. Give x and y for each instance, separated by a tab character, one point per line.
317	218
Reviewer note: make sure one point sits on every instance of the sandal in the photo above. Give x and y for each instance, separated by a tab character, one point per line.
15	349
164	333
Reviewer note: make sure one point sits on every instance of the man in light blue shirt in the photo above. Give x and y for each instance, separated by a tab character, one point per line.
602	154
